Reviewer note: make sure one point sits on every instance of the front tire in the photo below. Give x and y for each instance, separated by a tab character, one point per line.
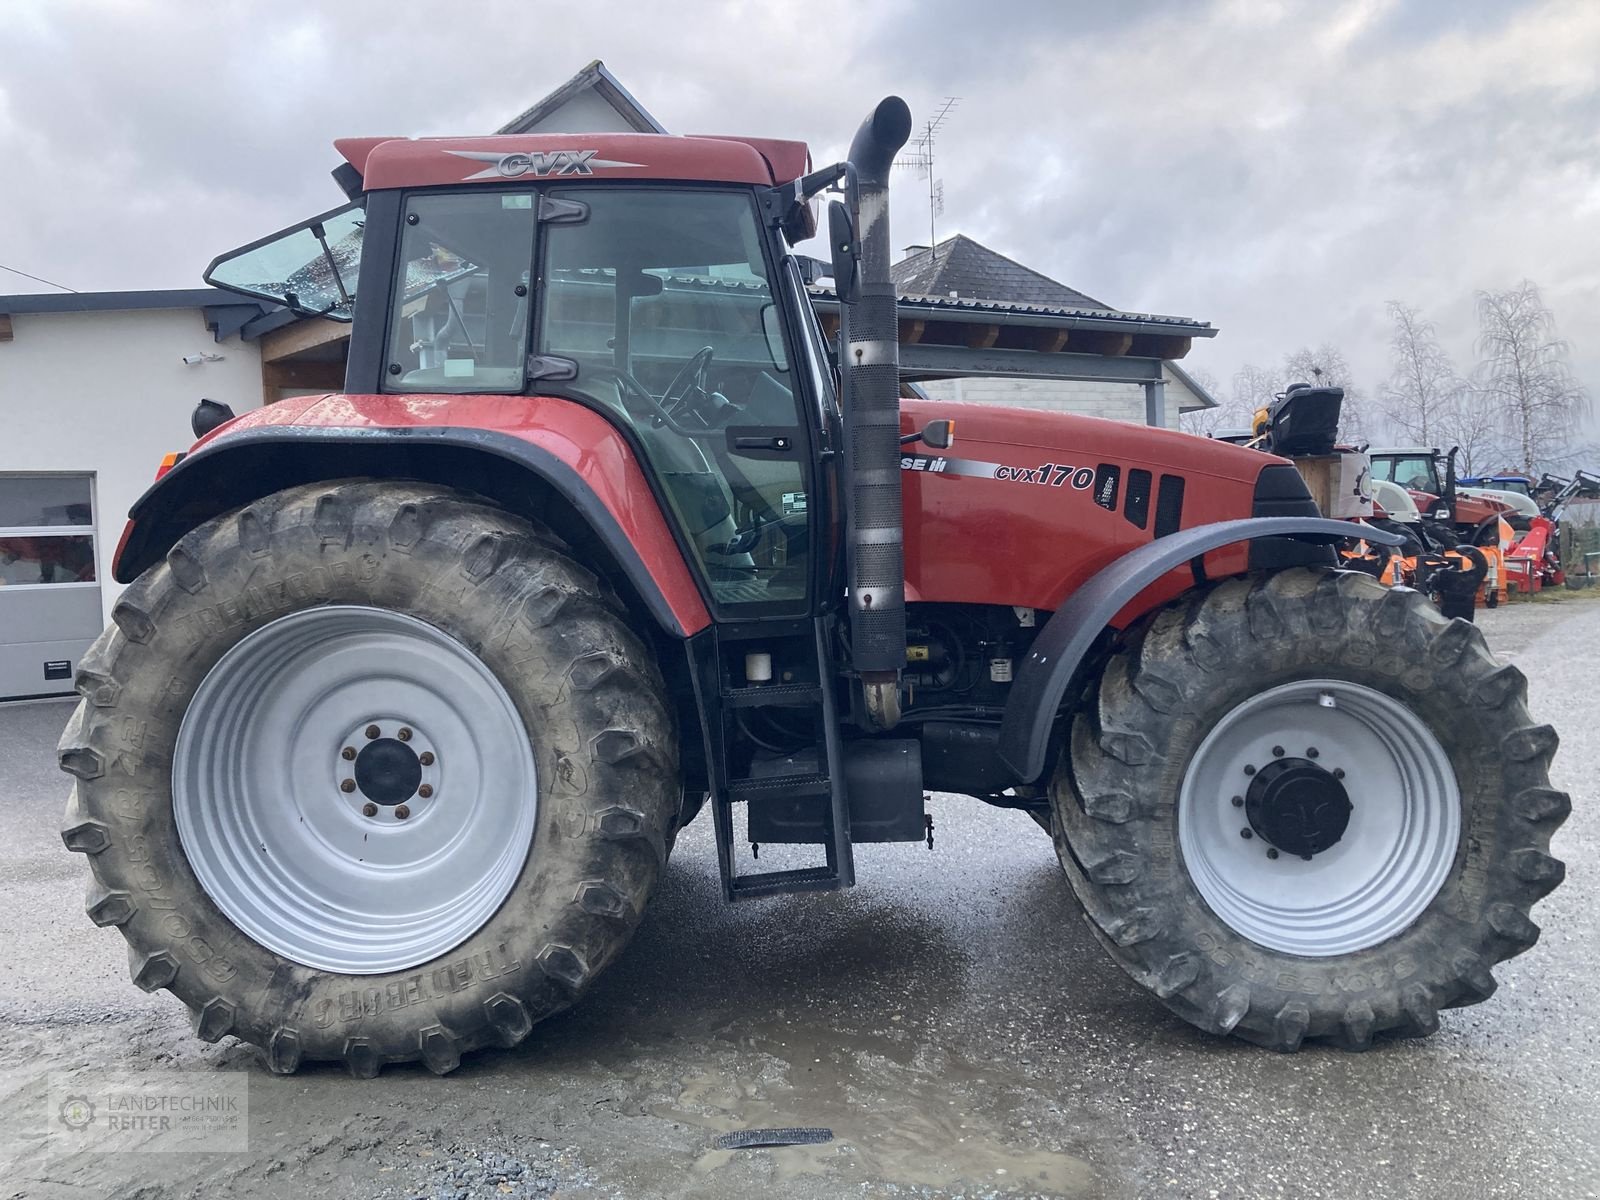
1254	892
370	772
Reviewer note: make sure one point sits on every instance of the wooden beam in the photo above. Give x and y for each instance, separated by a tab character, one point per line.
911	330
1156	345
1044	340
308	375
301	336
1110	345
981	337
5	327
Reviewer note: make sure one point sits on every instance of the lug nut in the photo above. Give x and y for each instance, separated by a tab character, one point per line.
401	812
1277	752
372	732
425	790
348	785
426	758
1238	801
1338	772
1311	752
347	753
404	735
1306	857
1249	770
1246	834
1272	854
369	809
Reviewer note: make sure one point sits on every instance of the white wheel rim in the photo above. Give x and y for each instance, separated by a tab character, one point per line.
304	866
1404	821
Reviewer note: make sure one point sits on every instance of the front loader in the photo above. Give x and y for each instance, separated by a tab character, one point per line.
413	686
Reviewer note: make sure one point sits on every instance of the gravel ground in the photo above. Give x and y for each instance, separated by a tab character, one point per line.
950	1018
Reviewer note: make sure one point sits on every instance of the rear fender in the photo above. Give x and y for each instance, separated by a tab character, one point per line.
618	531
1059	650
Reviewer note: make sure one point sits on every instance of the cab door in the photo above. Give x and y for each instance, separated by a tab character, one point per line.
663	306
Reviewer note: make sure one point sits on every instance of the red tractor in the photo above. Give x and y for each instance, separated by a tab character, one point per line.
413	686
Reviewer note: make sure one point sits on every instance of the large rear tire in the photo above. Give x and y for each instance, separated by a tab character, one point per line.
370	772
1307	806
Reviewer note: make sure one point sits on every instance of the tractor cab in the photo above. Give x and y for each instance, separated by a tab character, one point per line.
670	307
1415	469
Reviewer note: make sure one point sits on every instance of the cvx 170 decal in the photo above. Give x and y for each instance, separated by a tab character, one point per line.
1047	475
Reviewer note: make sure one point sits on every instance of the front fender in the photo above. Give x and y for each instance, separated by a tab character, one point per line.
1042	680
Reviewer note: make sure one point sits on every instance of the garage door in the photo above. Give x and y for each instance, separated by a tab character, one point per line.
49	591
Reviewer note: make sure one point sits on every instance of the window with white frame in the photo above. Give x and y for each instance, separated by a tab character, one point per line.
46	531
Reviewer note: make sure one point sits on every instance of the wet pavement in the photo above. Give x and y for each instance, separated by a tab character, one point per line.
950	1019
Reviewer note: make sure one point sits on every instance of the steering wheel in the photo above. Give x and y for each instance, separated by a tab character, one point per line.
641	404
680	399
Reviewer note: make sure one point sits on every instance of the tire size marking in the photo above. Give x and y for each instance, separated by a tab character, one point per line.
148	879
357	1004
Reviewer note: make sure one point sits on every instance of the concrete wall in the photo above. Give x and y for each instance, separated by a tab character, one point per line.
107	393
1118	401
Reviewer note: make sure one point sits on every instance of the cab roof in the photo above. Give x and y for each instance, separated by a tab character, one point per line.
434	162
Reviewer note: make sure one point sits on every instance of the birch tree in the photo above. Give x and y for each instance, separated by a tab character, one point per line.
1423	393
1209	421
1524	376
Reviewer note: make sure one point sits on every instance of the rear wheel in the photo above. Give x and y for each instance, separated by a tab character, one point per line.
370	772
1304	805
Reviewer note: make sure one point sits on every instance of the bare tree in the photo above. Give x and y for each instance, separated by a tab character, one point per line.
1524	377
1253	387
1422	394
1472	423
1326	366
1207	422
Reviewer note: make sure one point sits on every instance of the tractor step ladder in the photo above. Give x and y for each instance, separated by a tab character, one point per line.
816	774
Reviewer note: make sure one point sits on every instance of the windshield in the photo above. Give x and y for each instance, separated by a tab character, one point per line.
310	267
1413	471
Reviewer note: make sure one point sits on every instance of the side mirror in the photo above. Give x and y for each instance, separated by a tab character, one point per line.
846	253
937	435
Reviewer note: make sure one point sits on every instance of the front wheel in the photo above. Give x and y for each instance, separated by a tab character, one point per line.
1304	805
370	772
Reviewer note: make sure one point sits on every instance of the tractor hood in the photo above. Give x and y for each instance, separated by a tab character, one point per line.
1027	504
1045	429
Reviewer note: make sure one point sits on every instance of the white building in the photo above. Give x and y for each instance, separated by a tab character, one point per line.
94	389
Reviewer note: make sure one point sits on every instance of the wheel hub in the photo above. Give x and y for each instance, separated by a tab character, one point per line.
1297	807
387	772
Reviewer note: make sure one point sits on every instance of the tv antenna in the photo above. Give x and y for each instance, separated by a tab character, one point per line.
920	156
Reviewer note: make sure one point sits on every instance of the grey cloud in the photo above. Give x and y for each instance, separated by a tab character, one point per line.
1281	169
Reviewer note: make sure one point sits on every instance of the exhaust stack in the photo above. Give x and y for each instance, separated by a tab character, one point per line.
870	358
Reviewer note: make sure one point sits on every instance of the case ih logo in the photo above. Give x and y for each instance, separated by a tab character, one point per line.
539	163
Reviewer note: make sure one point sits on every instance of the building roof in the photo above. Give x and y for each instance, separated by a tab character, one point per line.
64	302
226	313
962	268
592	78
1207	400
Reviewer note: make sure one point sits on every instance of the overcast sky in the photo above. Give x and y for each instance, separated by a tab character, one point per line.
1279	169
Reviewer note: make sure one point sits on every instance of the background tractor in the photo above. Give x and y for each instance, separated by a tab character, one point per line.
413	686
